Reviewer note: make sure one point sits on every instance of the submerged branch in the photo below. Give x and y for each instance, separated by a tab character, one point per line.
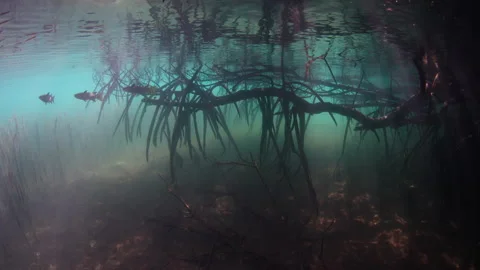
285	108
395	118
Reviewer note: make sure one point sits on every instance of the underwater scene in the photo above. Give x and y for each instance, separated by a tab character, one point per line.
253	134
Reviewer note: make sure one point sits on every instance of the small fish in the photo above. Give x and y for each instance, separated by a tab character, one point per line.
89	96
140	90
47	98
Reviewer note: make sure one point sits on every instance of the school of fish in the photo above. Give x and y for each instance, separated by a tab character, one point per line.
94	96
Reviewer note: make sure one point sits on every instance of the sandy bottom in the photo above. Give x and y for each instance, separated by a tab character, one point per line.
132	221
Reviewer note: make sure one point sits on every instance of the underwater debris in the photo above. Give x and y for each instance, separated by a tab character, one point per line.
5	21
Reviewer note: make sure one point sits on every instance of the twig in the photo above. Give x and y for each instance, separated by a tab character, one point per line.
212	252
322	240
254	165
170	189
